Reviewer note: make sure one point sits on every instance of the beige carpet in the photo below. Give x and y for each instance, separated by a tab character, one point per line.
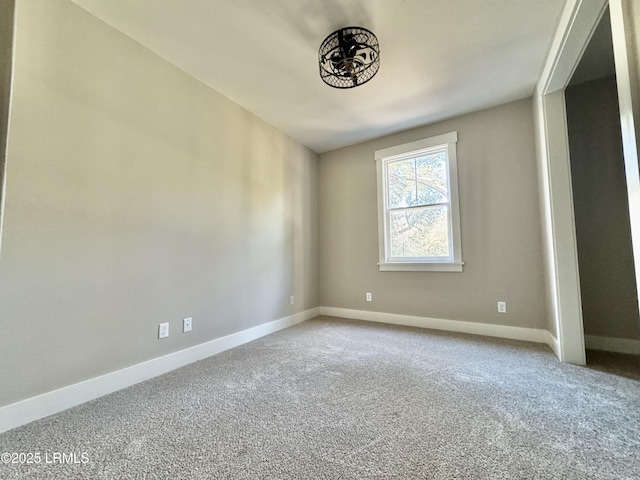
332	399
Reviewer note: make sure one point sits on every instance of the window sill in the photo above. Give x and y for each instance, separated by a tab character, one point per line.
421	267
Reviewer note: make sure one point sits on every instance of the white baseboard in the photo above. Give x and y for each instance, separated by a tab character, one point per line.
34	408
611	344
537	335
553	343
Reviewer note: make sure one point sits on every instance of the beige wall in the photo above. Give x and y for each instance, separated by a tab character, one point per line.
607	277
6	61
500	223
136	195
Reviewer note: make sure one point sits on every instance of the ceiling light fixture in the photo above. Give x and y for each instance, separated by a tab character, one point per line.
349	57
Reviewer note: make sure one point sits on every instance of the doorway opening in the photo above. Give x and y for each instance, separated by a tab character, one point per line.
607	276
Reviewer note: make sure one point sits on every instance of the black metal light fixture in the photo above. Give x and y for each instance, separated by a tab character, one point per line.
349	57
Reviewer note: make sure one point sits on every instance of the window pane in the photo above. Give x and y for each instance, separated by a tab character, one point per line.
418	181
432	179
420	233
402	185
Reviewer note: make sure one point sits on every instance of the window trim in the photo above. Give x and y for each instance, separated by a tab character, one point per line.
452	264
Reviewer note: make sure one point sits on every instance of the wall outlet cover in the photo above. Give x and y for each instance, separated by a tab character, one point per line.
163	330
187	324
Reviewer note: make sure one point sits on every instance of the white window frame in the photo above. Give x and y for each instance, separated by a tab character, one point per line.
454	262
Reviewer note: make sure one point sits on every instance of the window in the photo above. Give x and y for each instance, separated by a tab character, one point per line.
419	214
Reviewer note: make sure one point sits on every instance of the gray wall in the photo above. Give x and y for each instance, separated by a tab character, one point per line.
607	277
632	10
500	222
7	8
136	195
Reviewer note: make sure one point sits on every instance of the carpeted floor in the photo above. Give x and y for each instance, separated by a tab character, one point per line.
337	399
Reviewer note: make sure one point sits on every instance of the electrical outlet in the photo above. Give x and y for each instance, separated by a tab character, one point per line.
368	296
163	330
186	325
502	307
293	300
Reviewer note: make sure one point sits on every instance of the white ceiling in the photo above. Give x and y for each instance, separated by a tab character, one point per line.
439	58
